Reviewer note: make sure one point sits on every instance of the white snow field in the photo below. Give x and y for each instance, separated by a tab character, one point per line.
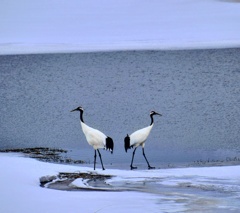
209	189
28	26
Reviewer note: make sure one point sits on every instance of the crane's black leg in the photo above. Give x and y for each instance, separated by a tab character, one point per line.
95	156
100	159
149	167
133	167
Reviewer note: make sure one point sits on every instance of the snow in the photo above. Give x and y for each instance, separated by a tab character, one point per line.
20	190
74	26
217	189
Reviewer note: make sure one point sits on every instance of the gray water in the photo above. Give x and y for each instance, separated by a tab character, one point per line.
196	91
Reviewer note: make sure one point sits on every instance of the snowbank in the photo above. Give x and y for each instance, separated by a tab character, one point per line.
75	26
196	189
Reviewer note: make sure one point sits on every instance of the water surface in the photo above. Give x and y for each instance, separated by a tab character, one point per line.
196	91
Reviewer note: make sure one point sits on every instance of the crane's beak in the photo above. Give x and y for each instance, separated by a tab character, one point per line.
158	114
73	110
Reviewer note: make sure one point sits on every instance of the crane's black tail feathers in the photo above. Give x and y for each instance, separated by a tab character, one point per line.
109	144
127	143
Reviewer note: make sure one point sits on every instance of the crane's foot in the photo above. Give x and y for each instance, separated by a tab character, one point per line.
103	168
151	167
133	167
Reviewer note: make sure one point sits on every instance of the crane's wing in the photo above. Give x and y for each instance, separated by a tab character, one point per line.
94	137
140	136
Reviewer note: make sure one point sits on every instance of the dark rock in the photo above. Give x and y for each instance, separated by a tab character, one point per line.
47	179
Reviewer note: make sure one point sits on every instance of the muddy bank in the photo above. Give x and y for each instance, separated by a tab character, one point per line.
51	155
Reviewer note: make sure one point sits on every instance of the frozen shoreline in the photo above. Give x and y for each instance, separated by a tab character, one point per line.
19	49
213	189
66	156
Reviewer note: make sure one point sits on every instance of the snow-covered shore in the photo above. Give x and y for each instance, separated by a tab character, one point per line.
81	26
207	189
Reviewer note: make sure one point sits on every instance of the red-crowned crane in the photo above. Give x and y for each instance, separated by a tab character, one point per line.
138	138
95	138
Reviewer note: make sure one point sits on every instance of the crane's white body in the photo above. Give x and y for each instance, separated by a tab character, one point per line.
94	137
139	137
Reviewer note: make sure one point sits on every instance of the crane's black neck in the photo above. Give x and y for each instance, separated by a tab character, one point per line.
81	115
151	119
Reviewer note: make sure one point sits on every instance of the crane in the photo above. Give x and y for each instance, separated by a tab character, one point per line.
138	138
95	138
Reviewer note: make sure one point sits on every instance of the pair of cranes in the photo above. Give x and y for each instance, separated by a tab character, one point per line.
98	140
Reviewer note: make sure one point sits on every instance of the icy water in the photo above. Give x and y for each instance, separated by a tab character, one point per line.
187	194
175	190
196	91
